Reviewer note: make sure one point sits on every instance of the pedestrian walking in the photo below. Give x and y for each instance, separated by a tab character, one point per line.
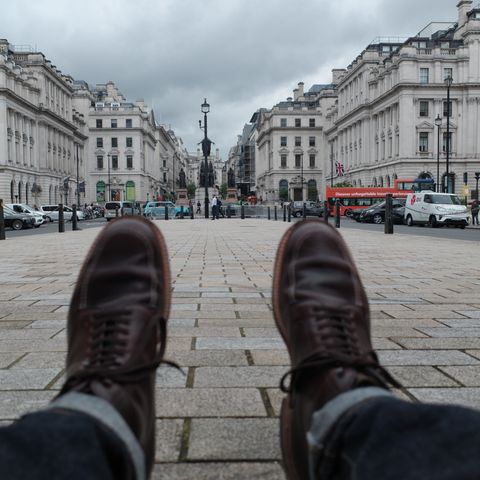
199	208
219	208
214	207
475	209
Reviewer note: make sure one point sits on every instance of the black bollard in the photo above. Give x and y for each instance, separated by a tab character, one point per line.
284	213
289	214
74	218
337	213
116	210
229	213
61	219
243	212
268	213
325	211
181	212
304	211
2	221
388	214
275	215
166	212
191	212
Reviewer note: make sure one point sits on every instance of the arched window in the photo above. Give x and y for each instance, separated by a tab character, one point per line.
425	175
374	181
100	189
20	188
387	180
394	176
283	190
130	191
359	183
380	181
27	187
354	183
312	191
12	191
56	195
50	195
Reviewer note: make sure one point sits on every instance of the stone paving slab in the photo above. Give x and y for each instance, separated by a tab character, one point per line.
219	419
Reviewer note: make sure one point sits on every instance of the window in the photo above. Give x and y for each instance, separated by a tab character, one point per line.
99	142
114	142
164	177
423	142
423	108
114	162
99	162
129	161
298	161
447	72
99	123
283	161
449	142
446	109
113	123
298	122
129	142
128	123
424	75
311	141
283	122
311	122
312	161
283	141
298	141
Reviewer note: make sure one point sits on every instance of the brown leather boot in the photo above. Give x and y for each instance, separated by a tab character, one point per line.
321	310
117	323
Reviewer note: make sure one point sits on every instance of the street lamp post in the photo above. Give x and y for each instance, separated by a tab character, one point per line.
205	110
477	177
78	179
108	172
438	123
173	179
448	83
301	174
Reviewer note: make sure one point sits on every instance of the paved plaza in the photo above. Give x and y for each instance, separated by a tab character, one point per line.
220	420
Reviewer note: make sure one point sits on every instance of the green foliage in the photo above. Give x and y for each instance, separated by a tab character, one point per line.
223	190
312	194
344	184
283	194
191	188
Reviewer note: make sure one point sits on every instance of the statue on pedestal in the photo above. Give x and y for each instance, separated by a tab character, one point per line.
211	175
231	178
182	182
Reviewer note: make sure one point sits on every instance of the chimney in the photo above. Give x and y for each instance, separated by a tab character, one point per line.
464	6
295	94
300	89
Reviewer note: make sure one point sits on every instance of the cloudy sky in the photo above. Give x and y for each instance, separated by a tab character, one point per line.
239	54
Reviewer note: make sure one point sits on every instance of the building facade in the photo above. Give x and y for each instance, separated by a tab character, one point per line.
392	119
290	145
42	134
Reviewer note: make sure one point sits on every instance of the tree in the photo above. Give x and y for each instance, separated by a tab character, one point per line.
344	184
223	190
191	188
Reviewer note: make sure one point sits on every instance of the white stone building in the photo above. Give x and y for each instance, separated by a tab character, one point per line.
390	120
289	163
42	135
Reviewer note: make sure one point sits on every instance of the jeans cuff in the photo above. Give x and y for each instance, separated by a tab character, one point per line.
324	419
103	412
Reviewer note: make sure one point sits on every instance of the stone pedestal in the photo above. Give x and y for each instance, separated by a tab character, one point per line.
182	196
231	195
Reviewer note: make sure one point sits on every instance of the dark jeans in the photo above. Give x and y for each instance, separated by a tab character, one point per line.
390	439
474	218
56	445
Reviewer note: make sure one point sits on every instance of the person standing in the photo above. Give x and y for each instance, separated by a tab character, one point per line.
214	207
475	209
199	208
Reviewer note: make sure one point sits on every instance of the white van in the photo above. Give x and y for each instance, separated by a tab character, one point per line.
435	209
118	209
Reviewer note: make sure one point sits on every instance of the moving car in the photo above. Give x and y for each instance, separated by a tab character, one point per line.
157	209
435	209
17	221
51	213
27	210
376	214
114	209
313	209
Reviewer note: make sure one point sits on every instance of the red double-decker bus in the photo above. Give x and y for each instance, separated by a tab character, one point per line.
355	198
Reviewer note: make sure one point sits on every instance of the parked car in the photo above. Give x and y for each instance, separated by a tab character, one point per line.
17	221
312	209
435	209
119	208
51	213
376	213
27	210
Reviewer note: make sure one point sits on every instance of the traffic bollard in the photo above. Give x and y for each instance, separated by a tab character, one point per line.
289	214
61	219
337	213
284	213
275	215
2	221
325	211
304	211
191	212
268	213
243	212
166	212
229	213
181	212
388	214
74	218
